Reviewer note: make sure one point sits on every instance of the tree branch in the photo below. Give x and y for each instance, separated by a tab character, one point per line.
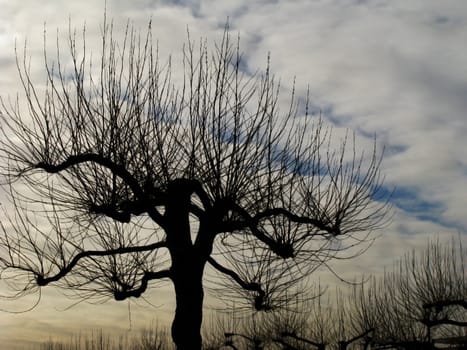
120	212
357	337
334	230
282	249
42	281
136	293
444	303
116	169
255	287
296	337
250	286
445	321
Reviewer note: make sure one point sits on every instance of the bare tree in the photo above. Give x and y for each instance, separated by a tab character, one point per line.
435	283
121	180
421	301
328	324
287	326
154	337
345	330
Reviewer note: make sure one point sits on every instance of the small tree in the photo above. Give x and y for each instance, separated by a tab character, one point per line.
435	283
121	180
325	324
420	301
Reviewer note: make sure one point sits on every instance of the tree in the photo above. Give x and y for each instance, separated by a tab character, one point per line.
324	324
121	180
435	283
316	328
420	302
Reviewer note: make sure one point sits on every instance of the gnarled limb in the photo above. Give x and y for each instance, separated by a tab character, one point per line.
259	301
136	293
118	170
42	281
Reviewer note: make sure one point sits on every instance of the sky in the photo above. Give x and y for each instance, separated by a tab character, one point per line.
394	69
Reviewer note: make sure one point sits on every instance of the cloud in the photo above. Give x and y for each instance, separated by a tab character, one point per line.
392	69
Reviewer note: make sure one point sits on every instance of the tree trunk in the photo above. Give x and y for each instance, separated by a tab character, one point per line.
186	326
187	268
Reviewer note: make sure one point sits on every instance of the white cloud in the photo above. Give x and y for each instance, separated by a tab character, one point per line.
390	68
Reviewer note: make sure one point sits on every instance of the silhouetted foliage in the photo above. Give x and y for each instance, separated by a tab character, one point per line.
121	180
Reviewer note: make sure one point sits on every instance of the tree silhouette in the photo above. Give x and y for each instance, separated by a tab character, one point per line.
121	180
422	301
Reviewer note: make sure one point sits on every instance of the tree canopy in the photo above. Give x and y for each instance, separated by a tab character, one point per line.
122	177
